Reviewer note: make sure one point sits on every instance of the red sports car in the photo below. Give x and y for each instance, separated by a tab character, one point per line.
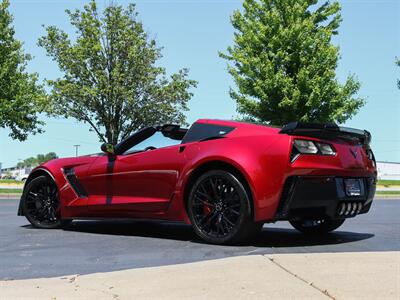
224	178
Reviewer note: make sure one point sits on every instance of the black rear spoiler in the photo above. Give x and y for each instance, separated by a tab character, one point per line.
327	131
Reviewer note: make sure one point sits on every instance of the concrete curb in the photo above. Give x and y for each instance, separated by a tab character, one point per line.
387	197
10	196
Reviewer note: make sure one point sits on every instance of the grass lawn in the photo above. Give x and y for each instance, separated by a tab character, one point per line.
10	191
394	193
10	181
388	182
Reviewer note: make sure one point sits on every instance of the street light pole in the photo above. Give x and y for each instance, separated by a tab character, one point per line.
76	149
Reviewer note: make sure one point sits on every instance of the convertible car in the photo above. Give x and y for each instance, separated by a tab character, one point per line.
224	178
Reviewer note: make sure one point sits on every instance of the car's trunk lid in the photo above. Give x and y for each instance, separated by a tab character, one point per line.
327	132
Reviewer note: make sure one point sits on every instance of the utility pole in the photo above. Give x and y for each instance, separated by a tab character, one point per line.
76	149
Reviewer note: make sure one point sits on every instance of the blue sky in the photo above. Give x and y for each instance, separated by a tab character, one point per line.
192	32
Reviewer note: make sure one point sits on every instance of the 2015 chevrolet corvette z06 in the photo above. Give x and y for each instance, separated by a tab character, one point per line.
225	178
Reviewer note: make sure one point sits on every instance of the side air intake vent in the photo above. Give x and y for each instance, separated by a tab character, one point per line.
74	182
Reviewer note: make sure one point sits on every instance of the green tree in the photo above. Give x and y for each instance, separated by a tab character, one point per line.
283	63
46	157
21	97
111	77
39	159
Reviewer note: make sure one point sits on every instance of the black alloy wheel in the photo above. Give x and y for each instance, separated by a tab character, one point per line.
316	227
41	203
219	209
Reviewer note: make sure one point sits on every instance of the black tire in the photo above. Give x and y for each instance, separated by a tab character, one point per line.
219	209
316	227
40	204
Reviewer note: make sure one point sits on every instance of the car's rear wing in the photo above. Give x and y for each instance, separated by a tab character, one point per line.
327	131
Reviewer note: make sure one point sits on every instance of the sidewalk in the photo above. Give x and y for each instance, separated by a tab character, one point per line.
12	186
366	275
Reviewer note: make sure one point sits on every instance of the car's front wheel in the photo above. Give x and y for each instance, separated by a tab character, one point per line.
219	209
316	227
41	204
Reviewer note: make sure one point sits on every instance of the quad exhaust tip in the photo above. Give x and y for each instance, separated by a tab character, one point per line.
349	208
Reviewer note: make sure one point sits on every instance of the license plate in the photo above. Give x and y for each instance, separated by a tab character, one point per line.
353	187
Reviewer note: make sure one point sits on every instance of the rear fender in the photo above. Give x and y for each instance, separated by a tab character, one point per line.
261	161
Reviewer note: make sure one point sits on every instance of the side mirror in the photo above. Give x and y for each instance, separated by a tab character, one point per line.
108	148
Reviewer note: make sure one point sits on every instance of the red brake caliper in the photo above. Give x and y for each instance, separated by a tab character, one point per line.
206	209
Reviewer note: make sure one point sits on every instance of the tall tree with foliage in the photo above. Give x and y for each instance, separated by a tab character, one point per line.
35	161
284	62
111	77
21	97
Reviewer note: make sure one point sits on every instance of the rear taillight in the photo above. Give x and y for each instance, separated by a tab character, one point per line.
310	147
370	156
305	147
325	149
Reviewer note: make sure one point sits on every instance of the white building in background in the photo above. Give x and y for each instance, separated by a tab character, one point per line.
388	170
17	173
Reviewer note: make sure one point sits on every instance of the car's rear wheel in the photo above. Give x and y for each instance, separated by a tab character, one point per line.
321	226
41	204
219	209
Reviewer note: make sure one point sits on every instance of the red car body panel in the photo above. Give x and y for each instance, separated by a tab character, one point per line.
152	184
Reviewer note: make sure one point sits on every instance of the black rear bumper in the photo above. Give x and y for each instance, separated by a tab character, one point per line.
322	197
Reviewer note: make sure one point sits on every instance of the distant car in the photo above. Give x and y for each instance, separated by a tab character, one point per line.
22	177
224	178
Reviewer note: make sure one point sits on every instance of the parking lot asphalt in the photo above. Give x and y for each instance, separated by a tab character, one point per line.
100	246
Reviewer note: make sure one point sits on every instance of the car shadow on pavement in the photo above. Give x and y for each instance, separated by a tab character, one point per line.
283	237
152	229
269	237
